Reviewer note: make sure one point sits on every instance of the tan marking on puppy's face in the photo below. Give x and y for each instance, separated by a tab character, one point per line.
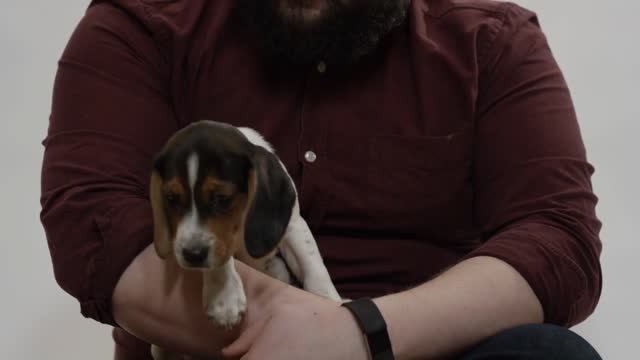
211	185
226	224
175	198
220	210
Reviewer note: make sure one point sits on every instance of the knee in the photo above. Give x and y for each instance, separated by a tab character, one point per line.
535	341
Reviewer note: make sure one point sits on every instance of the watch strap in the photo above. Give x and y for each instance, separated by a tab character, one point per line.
372	323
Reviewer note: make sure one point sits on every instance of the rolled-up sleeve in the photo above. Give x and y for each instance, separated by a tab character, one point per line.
110	114
534	200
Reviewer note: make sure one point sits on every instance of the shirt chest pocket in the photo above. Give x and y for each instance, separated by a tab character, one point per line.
419	185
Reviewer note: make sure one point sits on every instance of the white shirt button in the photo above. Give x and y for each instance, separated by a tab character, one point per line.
310	156
322	67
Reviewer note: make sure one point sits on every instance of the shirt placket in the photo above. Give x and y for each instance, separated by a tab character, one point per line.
312	151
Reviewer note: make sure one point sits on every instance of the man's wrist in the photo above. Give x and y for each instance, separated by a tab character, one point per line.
359	347
373	326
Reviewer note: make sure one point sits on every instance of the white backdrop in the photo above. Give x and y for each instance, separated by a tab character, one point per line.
593	42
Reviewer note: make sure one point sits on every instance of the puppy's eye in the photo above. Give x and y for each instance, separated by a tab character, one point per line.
173	199
219	202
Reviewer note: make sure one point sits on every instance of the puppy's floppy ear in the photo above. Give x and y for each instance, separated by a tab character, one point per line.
160	227
272	198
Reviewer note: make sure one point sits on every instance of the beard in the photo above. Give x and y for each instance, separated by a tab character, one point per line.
344	32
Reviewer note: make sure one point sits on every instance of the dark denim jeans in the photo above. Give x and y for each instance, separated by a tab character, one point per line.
534	342
528	342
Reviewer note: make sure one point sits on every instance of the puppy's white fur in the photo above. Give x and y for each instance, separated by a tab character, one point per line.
298	247
224	295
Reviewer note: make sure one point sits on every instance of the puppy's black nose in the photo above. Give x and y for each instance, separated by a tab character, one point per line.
195	255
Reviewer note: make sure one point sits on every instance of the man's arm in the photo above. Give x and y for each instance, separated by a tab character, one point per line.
159	303
533	203
465	305
111	112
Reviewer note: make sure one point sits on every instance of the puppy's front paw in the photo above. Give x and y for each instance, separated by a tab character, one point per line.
228	308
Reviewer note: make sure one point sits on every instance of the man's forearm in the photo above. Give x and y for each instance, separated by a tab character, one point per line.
468	303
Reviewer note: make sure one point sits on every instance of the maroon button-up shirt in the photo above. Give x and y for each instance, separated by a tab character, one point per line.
458	138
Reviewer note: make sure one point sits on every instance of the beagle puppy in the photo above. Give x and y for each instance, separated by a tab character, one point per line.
219	193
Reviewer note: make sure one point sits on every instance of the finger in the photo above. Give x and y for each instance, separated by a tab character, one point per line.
242	344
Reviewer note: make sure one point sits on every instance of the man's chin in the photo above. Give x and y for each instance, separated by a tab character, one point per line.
303	32
302	12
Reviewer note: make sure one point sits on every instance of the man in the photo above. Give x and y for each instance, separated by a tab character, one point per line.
433	142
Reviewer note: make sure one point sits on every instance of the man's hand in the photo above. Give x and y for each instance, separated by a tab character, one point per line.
161	303
300	325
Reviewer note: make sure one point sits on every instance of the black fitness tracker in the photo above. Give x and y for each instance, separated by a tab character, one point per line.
374	327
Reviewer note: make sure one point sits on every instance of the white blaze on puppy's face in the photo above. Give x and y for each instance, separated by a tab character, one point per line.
193	240
192	169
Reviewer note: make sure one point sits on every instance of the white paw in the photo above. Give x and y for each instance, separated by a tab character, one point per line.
322	286
228	308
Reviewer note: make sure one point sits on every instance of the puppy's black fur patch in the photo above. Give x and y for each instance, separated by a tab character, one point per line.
272	205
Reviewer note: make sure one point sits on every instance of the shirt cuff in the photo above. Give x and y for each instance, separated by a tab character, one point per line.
562	271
